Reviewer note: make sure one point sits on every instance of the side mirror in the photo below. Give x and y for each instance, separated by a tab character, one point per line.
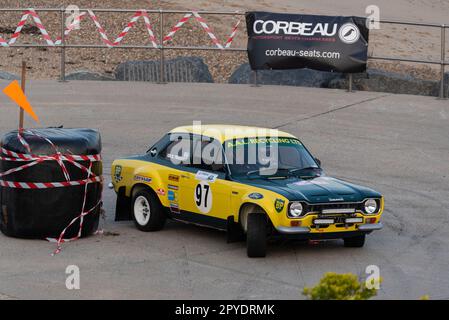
153	152
318	161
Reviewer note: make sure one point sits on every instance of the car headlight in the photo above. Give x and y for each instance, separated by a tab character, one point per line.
370	206
295	210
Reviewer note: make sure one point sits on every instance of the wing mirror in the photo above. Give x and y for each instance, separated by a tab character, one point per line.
318	161
153	152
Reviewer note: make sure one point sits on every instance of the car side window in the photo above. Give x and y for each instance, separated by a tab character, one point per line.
178	151
208	155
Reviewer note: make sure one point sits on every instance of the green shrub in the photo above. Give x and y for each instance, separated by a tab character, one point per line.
335	286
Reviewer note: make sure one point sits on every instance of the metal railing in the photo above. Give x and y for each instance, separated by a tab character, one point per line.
161	47
443	63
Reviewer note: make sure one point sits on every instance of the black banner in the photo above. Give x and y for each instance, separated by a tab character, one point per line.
293	41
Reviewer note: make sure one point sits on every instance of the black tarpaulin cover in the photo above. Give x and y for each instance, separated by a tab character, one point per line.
41	213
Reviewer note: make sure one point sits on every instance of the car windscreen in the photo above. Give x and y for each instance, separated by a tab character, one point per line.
267	156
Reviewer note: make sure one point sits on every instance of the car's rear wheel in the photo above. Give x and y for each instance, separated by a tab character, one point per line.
148	214
355	242
256	235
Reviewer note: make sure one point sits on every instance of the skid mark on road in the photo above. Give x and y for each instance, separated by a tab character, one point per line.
330	111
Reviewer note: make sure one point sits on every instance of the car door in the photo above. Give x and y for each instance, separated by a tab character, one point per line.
205	193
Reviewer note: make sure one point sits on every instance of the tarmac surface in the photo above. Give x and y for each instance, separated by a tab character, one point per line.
396	144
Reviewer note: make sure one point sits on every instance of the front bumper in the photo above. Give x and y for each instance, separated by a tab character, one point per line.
306	230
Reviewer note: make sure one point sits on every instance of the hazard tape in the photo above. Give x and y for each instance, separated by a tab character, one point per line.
37	22
177	26
72	26
33	160
233	34
47	185
205	27
111	44
76	23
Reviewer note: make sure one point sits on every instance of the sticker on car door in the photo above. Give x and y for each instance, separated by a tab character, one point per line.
203	196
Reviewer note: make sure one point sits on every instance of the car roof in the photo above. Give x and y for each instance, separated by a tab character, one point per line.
224	132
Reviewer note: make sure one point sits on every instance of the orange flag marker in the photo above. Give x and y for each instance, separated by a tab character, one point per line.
15	93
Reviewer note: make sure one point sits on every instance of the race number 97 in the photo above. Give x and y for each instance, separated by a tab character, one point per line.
203	197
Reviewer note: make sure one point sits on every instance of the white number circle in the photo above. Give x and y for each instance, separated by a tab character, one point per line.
202	195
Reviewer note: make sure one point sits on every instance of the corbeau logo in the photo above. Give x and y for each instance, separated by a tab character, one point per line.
294	28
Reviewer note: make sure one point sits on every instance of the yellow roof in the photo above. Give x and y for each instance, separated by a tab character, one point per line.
223	132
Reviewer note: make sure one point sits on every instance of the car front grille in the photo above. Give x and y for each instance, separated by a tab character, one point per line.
334	208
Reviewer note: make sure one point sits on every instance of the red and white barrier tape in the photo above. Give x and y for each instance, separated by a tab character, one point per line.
178	26
139	13
84	213
76	23
233	34
207	29
59	158
38	24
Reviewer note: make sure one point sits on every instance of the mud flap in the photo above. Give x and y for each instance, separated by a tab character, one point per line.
123	206
234	231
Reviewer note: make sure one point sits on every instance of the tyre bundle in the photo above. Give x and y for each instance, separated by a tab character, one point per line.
50	183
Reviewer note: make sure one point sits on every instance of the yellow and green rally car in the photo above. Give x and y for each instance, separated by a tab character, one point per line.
255	183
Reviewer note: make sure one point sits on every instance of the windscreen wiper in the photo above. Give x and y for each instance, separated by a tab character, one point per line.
302	169
310	176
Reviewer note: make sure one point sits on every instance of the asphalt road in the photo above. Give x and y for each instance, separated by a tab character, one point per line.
397	144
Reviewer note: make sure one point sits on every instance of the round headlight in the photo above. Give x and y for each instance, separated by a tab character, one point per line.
295	209
370	206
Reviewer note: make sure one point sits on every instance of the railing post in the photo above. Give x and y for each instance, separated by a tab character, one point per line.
254	81
161	48
443	60
350	83
62	68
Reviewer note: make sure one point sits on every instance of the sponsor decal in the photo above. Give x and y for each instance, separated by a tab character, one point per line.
279	41
279	205
142	178
160	192
294	28
349	33
173	177
250	141
173	187
206	176
172	196
118	173
255	196
174	208
203	196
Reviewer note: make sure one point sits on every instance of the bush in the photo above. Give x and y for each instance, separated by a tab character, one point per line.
335	286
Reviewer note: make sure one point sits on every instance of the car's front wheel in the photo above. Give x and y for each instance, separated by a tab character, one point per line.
355	242
148	214
256	235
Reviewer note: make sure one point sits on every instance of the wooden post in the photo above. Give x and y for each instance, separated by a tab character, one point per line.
22	84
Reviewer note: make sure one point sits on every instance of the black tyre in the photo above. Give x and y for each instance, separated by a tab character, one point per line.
355	242
256	235
147	211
